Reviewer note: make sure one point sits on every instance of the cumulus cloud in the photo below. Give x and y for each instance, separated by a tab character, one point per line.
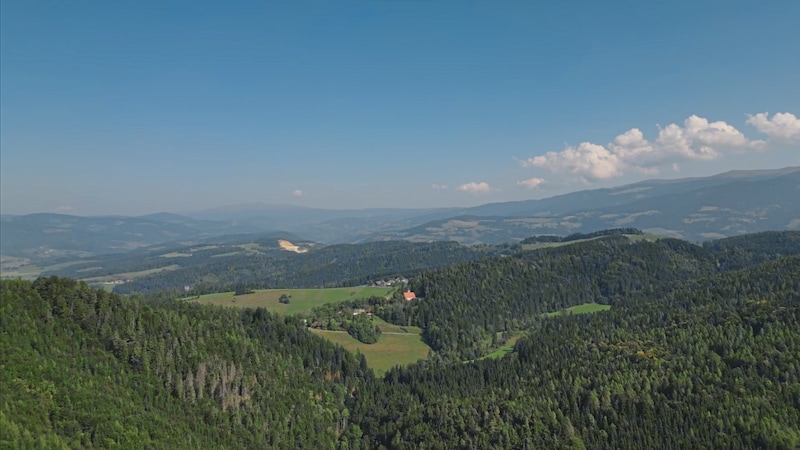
439	187
298	193
531	183
782	126
698	139
475	188
592	160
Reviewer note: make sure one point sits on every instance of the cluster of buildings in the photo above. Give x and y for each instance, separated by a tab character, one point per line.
389	282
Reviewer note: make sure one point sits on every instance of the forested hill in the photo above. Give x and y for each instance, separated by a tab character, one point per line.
714	363
465	305
82	368
328	266
700	349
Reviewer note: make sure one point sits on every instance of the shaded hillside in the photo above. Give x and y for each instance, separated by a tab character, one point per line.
48	237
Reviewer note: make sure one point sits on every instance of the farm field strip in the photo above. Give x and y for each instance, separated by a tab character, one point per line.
300	300
140	273
586	308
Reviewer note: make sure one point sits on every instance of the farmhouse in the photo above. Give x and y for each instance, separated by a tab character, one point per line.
409	295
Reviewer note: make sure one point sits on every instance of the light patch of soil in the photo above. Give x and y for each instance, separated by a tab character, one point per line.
288	246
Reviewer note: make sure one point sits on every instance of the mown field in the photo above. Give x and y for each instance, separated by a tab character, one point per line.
585	308
300	300
392	348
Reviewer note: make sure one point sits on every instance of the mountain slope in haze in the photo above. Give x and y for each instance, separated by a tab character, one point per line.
53	236
695	209
620	195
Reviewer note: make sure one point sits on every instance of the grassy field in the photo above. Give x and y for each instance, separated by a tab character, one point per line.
387	327
301	300
29	272
585	308
390	350
631	237
32	271
505	349
126	275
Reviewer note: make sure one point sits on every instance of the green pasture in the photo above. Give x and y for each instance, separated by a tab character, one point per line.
505	348
585	308
300	300
392	349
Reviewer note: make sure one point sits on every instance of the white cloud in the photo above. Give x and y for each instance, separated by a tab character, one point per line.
439	187
64	209
698	139
589	160
475	188
782	126
298	193
531	183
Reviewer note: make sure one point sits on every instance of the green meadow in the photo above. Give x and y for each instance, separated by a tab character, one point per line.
300	300
585	308
504	349
392	348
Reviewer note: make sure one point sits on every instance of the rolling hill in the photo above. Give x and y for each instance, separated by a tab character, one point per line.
695	209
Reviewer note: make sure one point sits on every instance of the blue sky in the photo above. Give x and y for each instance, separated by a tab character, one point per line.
138	107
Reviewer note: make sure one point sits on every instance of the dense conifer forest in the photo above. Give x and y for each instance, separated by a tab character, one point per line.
700	349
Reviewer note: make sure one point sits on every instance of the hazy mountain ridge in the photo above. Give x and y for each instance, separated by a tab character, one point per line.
696	209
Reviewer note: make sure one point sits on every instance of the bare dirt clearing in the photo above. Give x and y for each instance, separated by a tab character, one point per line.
288	246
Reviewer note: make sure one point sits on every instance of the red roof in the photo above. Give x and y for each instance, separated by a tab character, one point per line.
408	295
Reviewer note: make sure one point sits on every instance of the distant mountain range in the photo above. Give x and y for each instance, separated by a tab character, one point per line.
696	209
